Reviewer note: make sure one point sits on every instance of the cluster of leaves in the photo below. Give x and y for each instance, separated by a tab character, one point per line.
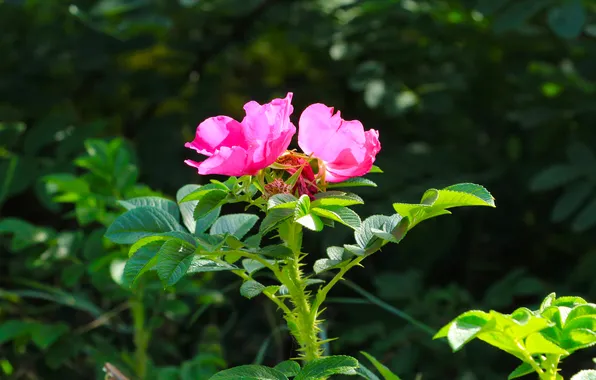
78	257
539	338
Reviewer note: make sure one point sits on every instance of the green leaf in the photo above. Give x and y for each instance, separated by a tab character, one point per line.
323	265
522	370
516	14
465	328
274	218
183	236
207	220
536	343
548	301
249	372
200	265
365	237
554	176
139	223
144	259
339	214
302	206
353	182
587	374
336	198
578	338
173	261
384	371
197	192
311	221
573	197
435	202
327	366
375	169
187	208
277	251
567	19
252	266
12	329
282	201
161	203
44	335
251	289
586	217
210	201
237	225
289	368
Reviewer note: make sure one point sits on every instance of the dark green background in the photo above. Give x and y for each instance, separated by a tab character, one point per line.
496	92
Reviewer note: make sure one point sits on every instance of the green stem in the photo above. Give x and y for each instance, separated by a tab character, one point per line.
551	365
306	325
141	335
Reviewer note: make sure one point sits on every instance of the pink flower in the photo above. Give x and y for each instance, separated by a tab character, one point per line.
243	148
344	147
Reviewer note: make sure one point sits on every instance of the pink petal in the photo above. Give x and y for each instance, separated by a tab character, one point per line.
215	132
225	161
344	147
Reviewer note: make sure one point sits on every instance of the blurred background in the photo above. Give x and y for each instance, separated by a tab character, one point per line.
98	97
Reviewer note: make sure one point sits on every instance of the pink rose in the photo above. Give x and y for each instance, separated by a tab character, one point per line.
346	150
243	148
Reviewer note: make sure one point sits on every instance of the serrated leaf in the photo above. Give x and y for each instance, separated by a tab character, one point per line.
311	221
327	366
274	218
554	176
548	301
339	214
353	182
184	236
463	194
323	265
249	372
288	367
237	225
567	19
144	259
336	198
139	223
282	201
173	260
211	200
364	236
161	203
251	289
197	192
384	371
200	264
522	370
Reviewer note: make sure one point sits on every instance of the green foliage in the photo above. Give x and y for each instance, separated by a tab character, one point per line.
384	371
540	338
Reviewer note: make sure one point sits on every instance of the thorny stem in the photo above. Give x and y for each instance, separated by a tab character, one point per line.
305	327
551	365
